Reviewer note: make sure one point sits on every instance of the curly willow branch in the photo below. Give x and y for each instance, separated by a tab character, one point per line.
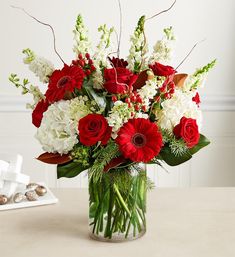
45	24
120	27
166	10
185	58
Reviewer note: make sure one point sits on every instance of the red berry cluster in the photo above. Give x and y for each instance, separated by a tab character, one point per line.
133	99
168	88
86	63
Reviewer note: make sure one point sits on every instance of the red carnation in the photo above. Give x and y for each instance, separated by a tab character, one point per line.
94	128
116	62
188	130
162	70
139	140
197	99
37	114
63	82
118	80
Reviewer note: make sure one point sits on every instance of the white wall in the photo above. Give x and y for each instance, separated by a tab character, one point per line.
192	20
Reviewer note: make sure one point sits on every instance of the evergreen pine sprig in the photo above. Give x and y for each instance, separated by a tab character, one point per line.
102	158
177	146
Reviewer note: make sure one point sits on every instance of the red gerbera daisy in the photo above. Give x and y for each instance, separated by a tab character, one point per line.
139	140
64	81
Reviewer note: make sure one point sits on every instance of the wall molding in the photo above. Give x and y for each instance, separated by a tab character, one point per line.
17	103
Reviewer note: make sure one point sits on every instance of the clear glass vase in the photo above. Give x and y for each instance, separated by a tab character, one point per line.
117	205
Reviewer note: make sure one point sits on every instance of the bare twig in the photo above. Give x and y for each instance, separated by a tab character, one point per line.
120	27
185	58
166	10
43	23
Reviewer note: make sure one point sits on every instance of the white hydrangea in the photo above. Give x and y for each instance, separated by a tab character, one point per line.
175	108
42	68
119	114
80	107
58	132
163	49
148	91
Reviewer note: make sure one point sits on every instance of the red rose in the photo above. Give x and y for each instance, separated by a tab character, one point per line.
162	70
118	80
196	99
188	130
63	82
94	128
37	114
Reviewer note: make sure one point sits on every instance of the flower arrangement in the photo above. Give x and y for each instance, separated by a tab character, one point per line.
106	114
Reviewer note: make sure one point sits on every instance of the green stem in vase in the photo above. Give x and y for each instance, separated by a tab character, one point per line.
121	199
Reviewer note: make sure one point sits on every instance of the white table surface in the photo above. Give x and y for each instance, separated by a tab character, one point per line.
195	222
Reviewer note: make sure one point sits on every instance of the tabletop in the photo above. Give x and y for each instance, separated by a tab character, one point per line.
190	222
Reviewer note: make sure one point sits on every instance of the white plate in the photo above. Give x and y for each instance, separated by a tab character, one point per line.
48	198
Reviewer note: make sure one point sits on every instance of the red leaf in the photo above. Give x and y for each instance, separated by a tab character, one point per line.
142	78
54	158
115	162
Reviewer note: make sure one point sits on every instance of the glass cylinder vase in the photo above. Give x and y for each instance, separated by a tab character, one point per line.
117	204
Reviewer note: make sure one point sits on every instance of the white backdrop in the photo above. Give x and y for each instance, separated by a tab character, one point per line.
192	21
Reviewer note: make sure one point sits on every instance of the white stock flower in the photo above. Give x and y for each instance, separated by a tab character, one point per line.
82	44
135	55
194	82
175	108
148	91
141	115
58	132
42	68
163	49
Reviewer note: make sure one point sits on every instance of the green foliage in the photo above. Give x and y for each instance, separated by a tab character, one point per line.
205	69
70	170
171	159
13	78
100	100
102	158
81	155
79	23
106	34
169	33
177	146
140	25
201	73
30	56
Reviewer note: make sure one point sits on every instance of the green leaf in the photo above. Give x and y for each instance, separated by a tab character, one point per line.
69	170
100	100
203	141
172	160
